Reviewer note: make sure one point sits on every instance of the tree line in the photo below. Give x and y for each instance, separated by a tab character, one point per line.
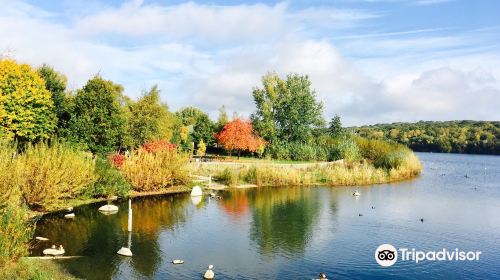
471	137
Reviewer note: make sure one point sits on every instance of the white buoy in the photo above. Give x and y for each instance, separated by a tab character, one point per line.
209	274
125	251
108	209
41	238
71	215
196	191
54	251
177	261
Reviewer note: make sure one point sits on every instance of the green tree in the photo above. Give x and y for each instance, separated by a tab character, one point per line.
189	115
150	119
223	118
55	83
98	119
26	107
203	130
287	109
335	128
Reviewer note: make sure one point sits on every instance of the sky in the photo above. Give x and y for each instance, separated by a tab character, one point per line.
370	61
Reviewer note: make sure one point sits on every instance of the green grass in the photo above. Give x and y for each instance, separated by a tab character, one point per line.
34	269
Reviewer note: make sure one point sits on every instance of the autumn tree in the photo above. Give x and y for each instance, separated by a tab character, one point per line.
26	106
239	135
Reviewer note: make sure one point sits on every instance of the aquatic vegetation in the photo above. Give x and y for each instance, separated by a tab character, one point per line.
49	173
147	171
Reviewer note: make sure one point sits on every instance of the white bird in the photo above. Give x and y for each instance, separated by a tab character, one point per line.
108	209
177	261
124	251
54	251
209	274
356	193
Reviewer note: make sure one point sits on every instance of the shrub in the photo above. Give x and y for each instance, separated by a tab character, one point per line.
158	146
117	160
147	171
382	153
15	233
49	173
109	180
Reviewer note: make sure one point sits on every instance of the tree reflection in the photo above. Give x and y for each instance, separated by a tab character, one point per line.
235	203
98	237
282	219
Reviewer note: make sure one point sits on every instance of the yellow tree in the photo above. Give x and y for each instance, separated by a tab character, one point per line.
26	106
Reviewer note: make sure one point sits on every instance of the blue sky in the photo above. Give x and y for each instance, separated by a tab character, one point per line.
369	60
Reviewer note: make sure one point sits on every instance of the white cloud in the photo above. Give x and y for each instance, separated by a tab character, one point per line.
212	55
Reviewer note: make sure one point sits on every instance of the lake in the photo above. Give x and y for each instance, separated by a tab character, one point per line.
297	232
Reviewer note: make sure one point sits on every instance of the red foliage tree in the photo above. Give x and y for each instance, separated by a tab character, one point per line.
239	135
158	146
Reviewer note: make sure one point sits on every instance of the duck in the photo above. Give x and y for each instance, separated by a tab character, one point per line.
422	220
177	261
70	215
53	251
373	207
356	193
322	276
361	215
209	274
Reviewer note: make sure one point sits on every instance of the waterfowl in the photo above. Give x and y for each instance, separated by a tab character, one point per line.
373	207
196	191
209	274
124	251
360	214
356	193
213	195
177	261
53	251
322	276
108	209
422	220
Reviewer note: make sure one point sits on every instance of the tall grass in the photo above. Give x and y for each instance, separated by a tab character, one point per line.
53	172
152	171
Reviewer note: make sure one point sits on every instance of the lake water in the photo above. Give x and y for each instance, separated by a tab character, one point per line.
295	233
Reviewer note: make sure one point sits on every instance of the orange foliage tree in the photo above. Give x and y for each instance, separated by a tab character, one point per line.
239	135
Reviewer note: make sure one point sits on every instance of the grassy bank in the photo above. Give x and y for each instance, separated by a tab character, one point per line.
341	173
34	269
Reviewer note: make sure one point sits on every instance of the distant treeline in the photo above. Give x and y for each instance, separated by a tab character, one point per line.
470	137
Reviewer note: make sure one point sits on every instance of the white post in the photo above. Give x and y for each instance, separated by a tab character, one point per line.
129	215
209	180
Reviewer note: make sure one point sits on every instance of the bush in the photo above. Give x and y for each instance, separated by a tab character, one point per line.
147	171
382	153
49	173
343	148
15	233
109	181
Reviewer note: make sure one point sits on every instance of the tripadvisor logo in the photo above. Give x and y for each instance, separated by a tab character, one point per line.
387	255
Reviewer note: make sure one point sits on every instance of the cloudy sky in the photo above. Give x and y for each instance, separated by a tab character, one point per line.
370	61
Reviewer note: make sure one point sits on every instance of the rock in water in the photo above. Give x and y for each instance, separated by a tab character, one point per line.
177	261
125	252
209	274
196	191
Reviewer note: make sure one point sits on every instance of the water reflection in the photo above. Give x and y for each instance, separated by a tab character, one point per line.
282	219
